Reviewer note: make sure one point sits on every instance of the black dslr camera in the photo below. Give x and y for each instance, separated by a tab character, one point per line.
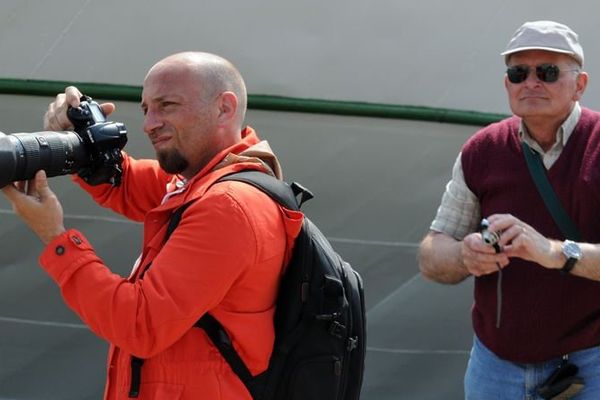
93	150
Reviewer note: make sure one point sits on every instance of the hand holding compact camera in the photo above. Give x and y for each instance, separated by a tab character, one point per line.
489	237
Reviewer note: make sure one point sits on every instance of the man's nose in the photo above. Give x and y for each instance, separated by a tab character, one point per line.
151	122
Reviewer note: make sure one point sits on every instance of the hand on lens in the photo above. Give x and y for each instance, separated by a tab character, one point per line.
37	205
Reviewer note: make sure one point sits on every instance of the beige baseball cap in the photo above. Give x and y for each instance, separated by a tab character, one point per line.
545	35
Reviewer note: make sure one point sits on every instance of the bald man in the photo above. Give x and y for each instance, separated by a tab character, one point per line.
224	258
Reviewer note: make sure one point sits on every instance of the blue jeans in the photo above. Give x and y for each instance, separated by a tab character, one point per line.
491	378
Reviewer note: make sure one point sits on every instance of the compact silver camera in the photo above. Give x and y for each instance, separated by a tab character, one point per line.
490	238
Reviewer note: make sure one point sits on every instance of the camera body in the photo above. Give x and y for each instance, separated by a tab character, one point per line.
93	150
489	237
103	140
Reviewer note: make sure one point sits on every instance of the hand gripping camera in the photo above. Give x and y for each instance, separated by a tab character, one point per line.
93	150
490	238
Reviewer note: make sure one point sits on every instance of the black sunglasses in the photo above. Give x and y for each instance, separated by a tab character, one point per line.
545	72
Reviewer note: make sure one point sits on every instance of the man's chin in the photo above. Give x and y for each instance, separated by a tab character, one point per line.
172	165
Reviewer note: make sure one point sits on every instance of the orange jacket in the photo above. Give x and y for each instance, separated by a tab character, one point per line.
226	256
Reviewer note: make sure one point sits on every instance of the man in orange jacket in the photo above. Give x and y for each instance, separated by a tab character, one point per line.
225	257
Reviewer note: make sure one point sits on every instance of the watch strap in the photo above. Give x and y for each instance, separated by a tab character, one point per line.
569	265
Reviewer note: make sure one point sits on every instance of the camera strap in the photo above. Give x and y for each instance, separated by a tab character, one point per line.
538	173
492	240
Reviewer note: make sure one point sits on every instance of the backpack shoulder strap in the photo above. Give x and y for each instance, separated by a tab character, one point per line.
280	191
284	194
219	337
175	219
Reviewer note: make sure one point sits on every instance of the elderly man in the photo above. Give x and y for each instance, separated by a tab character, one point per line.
536	314
225	257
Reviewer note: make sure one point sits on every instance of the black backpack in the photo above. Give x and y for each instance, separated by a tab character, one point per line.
320	325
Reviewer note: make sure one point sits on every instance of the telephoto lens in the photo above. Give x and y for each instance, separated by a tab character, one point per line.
23	154
93	150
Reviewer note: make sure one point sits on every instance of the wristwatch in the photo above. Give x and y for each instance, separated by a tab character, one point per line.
572	252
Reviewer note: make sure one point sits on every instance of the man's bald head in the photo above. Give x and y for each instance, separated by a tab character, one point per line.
194	106
213	74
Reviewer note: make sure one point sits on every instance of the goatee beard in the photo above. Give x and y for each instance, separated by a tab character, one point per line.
172	162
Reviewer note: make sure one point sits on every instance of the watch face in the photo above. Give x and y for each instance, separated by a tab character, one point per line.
571	249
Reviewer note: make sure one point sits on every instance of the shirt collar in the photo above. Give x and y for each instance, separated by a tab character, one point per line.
562	135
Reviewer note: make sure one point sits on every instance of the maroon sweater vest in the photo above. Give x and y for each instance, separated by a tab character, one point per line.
545	314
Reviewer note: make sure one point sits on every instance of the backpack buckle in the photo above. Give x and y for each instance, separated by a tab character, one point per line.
304	193
327	317
352	343
337	329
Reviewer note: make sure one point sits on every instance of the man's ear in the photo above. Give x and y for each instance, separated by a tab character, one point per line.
582	81
228	104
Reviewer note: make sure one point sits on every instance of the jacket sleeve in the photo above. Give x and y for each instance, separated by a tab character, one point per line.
142	188
212	246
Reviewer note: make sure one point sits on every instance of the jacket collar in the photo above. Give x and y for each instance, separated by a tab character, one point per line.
249	153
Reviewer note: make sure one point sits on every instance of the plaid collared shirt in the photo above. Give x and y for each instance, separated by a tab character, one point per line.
459	212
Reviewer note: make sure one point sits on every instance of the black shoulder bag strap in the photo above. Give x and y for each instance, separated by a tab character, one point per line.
285	195
281	192
136	363
538	173
211	326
